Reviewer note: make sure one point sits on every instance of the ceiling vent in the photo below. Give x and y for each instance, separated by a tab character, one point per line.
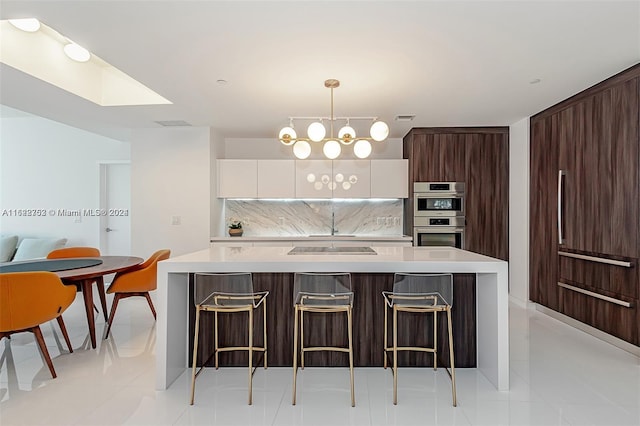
405	117
173	123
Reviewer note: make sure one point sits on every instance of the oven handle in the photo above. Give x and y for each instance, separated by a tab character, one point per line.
438	230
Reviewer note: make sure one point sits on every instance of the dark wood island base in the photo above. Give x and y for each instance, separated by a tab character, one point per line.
368	323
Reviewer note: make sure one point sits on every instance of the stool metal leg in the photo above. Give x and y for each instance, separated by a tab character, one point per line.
350	322
215	338
195	355
302	340
385	346
395	355
250	356
264	328
451	353
295	355
435	340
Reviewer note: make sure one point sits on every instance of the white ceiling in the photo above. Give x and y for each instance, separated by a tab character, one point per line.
450	63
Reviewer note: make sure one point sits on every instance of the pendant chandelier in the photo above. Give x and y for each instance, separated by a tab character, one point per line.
332	145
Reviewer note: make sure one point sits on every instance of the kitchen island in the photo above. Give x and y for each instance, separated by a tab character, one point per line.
490	301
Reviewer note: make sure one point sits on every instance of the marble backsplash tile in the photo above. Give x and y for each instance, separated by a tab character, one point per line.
308	217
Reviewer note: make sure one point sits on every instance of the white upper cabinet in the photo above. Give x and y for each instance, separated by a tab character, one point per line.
389	178
276	179
313	178
237	178
351	179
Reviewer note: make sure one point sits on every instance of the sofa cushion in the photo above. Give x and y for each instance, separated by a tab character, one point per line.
33	248
8	247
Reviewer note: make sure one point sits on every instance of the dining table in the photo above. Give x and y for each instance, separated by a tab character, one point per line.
81	272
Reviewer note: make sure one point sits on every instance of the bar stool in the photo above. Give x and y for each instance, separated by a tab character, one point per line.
324	293
228	292
422	293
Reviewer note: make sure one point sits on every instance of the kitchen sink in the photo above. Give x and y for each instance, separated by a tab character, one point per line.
332	250
331	236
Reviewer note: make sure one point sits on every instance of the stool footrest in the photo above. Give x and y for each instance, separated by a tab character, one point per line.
324	348
411	348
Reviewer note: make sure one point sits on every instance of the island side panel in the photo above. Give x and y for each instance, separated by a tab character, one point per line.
330	329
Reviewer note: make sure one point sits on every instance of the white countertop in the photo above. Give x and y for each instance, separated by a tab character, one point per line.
492	294
337	237
387	259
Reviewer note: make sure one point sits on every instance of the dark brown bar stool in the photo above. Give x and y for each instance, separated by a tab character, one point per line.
422	293
324	293
228	292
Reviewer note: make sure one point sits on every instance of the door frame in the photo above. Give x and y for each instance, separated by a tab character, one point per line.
102	196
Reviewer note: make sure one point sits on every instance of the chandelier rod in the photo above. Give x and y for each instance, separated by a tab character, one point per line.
315	117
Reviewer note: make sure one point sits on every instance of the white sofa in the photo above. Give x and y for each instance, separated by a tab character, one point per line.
13	249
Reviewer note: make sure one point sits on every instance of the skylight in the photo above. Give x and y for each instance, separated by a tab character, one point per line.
41	54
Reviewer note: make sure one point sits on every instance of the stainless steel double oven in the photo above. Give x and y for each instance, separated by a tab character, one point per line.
439	214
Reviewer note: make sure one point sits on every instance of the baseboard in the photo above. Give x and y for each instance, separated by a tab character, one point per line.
633	349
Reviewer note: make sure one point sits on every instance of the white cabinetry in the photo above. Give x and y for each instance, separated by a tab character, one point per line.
389	178
352	178
276	179
237	178
313	178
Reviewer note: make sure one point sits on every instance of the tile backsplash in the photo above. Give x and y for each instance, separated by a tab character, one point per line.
308	217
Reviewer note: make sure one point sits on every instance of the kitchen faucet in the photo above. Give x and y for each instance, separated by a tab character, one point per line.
333	223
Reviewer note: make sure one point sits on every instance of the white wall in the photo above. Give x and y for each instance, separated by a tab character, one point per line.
170	176
48	165
217	227
271	148
519	211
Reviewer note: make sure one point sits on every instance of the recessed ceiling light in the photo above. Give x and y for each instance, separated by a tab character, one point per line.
222	82
407	117
77	52
535	81
30	25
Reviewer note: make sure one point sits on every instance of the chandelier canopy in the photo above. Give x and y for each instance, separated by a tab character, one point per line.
332	145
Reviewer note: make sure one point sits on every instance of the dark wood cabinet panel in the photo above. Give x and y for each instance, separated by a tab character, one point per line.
478	156
619	321
594	139
543	232
608	280
439	158
330	329
487	194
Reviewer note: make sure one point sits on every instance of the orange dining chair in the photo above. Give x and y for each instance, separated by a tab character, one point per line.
28	299
68	252
137	281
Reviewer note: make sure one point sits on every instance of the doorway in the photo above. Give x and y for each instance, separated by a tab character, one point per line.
115	209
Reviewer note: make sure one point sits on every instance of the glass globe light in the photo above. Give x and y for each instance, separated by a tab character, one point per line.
325	179
353	179
379	131
347	135
346	186
77	52
30	25
339	177
301	149
362	148
318	186
316	131
311	178
287	135
331	149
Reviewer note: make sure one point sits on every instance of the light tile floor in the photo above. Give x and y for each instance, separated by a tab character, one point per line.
559	376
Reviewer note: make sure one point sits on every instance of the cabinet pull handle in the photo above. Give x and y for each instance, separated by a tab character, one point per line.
596	259
596	295
560	197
